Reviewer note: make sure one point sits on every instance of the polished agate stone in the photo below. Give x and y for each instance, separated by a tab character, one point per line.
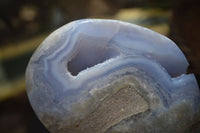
96	76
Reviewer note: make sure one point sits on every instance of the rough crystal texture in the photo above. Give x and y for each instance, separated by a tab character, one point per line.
98	75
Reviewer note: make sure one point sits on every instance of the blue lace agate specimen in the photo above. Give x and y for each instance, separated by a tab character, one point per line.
96	76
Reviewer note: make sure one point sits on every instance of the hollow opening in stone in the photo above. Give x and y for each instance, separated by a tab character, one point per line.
89	55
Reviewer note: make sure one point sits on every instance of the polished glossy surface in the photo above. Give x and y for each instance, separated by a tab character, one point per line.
98	75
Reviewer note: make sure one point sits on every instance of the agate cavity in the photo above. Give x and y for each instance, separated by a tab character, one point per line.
89	55
97	75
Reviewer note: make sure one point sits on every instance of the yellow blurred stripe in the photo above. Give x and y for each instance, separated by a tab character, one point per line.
12	89
163	29
19	48
140	13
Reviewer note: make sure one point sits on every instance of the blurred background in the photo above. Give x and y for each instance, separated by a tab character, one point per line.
25	23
